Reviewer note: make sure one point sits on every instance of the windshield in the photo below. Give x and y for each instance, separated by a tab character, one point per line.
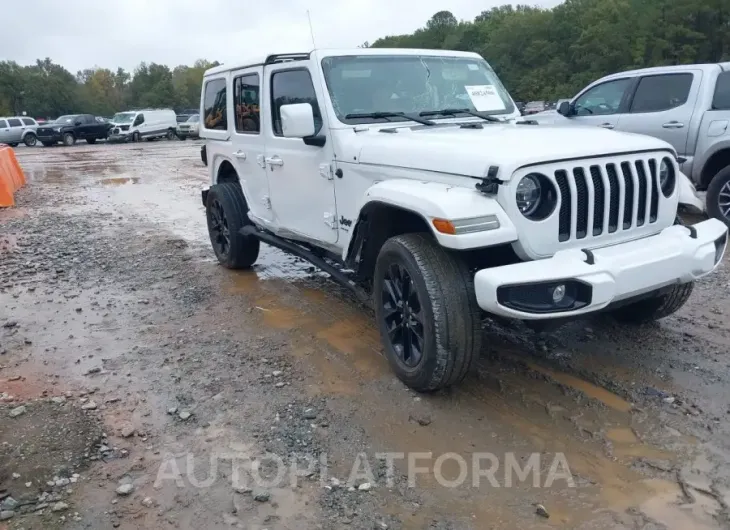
67	119
412	84
194	119
124	117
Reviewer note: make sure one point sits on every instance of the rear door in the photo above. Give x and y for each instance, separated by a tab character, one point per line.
16	130
602	103
249	143
662	106
4	132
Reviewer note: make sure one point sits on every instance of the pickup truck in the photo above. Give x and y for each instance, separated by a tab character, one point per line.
411	178
69	129
687	106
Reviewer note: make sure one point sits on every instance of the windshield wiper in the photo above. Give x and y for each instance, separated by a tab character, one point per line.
454	112
385	115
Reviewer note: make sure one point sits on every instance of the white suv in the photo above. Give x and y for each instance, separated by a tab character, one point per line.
17	129
411	178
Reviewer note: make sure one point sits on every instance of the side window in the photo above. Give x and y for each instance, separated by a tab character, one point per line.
28	121
139	120
214	105
3	124
602	99
721	101
293	86
87	119
656	93
246	102
15	122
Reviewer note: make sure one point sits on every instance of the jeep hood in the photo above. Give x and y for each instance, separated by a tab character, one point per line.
470	152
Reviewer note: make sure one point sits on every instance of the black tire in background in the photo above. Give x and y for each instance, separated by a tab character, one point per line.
91	141
69	139
449	315
136	136
651	309
718	196
170	134
227	212
14	144
30	139
48	144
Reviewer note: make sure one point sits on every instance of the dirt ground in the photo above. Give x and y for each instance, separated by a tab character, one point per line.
142	386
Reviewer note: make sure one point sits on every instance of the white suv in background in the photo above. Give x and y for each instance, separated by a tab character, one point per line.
18	129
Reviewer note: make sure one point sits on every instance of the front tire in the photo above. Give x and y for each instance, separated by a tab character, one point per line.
226	211
651	309
427	313
69	139
30	140
718	196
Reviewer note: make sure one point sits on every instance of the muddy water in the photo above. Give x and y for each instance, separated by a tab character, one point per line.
623	457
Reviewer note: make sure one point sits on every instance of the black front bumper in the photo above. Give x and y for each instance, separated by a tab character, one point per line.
53	136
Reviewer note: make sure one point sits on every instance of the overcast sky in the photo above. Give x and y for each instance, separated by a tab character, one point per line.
109	33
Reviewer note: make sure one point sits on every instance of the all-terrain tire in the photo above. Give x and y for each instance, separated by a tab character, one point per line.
91	141
651	309
227	212
30	139
69	139
713	198
452	336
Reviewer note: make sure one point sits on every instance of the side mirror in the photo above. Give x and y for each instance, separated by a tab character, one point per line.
565	109
297	120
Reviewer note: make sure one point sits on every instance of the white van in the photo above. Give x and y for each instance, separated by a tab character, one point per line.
147	124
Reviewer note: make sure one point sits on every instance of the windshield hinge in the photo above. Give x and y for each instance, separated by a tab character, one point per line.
490	183
325	171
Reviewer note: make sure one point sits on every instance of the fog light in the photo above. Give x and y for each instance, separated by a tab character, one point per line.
559	293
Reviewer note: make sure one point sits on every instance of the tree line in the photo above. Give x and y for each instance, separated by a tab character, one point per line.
48	90
538	53
547	54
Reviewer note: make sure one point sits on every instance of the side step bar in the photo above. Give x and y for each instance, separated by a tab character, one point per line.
311	257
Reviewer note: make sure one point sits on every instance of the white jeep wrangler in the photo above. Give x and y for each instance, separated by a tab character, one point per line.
410	177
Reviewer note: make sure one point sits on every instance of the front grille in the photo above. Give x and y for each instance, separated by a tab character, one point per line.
604	198
44	132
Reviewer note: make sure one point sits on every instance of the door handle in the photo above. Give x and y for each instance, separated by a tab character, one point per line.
240	154
673	125
274	161
607	125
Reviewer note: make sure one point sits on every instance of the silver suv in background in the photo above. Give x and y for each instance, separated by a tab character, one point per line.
687	106
17	129
189	128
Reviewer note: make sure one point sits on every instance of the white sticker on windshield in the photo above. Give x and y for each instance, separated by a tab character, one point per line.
485	97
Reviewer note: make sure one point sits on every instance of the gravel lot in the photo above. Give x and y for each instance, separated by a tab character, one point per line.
142	386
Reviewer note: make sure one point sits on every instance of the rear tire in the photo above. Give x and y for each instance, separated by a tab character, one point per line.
718	196
69	139
91	141
651	309
170	134
439	302
30	139
136	136
227	212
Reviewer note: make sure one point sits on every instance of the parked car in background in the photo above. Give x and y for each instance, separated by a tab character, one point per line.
17	129
533	107
147	124
68	129
520	106
687	106
189	128
184	115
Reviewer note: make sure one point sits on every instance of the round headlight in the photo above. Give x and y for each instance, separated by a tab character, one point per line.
528	195
667	177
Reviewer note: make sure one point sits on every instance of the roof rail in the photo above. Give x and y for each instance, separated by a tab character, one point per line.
286	57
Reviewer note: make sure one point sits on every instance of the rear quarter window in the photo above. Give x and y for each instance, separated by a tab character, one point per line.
215	108
721	101
29	121
14	122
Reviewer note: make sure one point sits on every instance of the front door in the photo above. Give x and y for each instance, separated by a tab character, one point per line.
249	142
4	132
662	106
16	130
600	105
300	176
